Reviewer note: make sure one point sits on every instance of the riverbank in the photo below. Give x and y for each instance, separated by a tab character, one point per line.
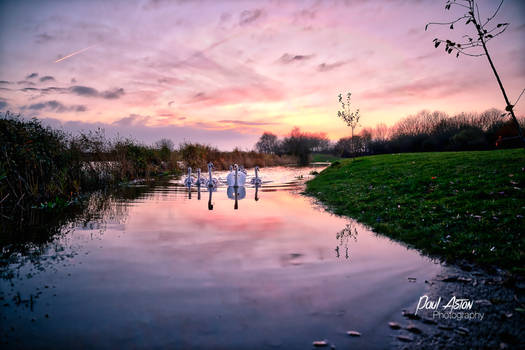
45	167
490	312
455	205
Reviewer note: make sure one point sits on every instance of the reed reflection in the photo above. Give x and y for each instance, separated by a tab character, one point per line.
39	240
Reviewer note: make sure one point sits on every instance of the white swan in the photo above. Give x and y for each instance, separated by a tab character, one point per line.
236	178
212	182
256	180
188	181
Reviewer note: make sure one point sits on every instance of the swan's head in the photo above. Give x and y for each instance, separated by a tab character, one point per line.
198	170
189	169
210	165
236	167
256	167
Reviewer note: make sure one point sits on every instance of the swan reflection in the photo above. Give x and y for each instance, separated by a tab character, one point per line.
210	205
237	193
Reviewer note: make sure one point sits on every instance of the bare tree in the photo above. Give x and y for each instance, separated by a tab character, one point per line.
268	143
165	143
351	118
381	132
165	147
476	45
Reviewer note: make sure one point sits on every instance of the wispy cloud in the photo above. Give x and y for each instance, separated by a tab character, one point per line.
43	38
430	87
84	91
240	94
55	106
112	94
91	92
249	16
25	82
47	78
287	58
132	119
79	90
245	122
325	67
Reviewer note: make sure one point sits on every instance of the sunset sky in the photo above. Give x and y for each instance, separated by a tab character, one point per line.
222	72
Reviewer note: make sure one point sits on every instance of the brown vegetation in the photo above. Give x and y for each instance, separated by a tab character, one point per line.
197	156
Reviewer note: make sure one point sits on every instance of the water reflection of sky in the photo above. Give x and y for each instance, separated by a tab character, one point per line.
175	274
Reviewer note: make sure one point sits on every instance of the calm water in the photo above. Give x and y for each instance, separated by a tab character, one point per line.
163	271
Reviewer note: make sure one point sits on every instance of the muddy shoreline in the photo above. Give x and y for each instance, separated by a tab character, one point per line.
495	320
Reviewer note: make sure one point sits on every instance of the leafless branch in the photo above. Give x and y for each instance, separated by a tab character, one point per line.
515	103
494	14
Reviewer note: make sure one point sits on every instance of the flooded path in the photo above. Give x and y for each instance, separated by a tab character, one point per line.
163	271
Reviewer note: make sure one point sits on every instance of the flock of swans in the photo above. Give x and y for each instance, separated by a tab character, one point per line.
235	180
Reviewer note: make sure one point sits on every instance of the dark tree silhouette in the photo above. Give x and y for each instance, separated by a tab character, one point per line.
476	44
164	147
267	143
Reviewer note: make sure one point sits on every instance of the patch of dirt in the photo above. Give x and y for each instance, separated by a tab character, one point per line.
495	320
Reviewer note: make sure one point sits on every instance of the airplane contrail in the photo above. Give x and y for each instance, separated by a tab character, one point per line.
74	53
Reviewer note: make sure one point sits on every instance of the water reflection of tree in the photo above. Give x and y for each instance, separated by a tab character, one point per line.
343	237
38	235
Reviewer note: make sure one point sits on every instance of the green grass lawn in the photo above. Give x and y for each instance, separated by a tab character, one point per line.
457	205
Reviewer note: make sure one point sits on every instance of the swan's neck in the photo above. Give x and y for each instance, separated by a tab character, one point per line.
236	175
209	171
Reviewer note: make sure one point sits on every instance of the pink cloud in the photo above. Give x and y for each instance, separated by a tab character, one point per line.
235	95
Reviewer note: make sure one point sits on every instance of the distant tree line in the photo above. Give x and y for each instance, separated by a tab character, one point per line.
298	143
424	132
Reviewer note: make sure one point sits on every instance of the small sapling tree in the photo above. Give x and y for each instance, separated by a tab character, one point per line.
351	118
476	44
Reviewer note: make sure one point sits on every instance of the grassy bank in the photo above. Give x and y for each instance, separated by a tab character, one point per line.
457	205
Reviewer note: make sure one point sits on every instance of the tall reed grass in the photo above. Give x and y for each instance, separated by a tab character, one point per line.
39	164
197	156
